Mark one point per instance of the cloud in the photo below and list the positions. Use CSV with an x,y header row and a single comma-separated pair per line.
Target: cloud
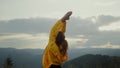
x,y
78,41
115,26
21,40
15,36
107,45
28,25
106,19
80,32
23,36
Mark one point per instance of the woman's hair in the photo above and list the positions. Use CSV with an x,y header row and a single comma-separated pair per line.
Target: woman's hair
x,y
64,47
60,38
61,43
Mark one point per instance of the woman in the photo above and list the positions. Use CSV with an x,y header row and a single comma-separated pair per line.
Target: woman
x,y
55,54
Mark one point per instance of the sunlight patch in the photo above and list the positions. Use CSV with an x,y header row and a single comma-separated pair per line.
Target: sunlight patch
x,y
111,27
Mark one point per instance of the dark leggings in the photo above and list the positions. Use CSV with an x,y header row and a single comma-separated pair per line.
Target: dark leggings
x,y
55,66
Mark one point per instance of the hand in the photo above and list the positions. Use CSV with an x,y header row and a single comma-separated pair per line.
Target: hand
x,y
66,16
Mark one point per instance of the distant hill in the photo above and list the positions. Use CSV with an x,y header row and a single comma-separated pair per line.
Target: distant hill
x,y
32,58
22,58
93,61
74,53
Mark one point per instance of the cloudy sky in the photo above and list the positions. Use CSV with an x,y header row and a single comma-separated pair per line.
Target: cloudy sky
x,y
27,23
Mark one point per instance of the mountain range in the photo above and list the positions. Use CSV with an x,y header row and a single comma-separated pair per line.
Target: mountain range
x,y
93,61
32,58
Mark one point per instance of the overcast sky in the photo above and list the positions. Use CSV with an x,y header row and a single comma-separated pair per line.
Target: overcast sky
x,y
26,23
10,9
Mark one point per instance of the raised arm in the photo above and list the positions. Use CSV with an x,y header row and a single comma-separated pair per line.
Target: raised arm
x,y
60,26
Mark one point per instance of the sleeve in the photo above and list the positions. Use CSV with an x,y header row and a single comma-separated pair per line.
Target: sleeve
x,y
59,26
56,52
61,57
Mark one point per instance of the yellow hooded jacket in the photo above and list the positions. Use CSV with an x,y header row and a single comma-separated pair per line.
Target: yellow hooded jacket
x,y
52,53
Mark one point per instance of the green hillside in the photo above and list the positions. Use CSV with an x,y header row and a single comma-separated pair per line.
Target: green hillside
x,y
93,61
